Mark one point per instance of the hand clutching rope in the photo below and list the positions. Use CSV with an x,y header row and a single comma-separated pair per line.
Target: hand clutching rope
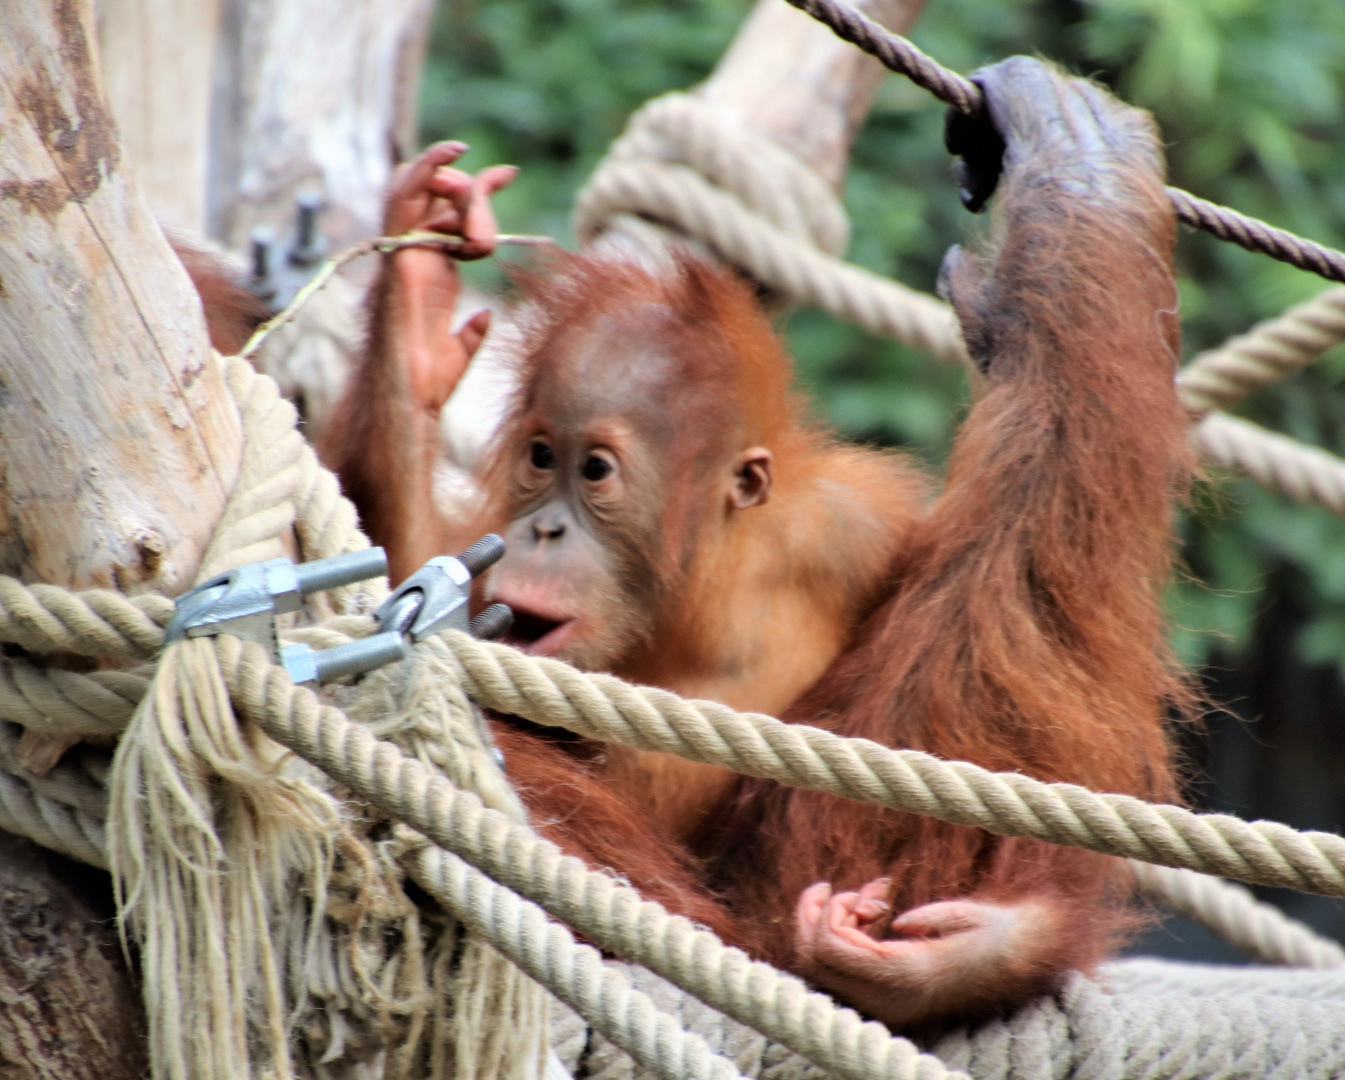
x,y
966,135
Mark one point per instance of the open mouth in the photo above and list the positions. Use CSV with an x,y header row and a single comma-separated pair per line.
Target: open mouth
x,y
537,634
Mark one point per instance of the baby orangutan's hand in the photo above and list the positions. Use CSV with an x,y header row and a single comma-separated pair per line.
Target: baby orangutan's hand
x,y
421,285
953,956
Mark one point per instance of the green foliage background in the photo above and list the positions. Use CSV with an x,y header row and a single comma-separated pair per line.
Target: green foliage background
x,y
1248,94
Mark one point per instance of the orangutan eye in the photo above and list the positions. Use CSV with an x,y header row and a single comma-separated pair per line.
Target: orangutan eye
x,y
595,469
542,456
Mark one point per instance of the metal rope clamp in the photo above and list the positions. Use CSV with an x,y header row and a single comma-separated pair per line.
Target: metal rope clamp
x,y
436,597
245,602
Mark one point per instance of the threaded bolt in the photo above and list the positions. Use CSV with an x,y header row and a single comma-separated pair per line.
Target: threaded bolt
x,y
345,569
358,656
482,555
492,623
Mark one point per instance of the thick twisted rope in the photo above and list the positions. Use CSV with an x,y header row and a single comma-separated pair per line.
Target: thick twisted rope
x,y
1134,1019
1270,351
95,622
688,137
53,701
1265,354
1234,914
1303,473
609,913
524,933
900,55
605,708
683,165
52,821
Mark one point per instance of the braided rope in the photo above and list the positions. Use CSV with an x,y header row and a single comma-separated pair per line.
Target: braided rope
x,y
1268,352
53,701
609,913
680,129
605,708
53,823
900,55
1234,914
68,783
675,151
1284,465
95,622
575,973
1255,235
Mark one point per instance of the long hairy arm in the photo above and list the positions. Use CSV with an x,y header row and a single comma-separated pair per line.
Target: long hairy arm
x,y
383,441
1023,631
1036,585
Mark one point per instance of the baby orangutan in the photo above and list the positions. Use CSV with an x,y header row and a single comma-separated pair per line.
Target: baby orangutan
x,y
674,517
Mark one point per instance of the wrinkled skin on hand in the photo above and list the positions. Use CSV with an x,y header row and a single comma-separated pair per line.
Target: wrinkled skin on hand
x,y
1070,151
423,285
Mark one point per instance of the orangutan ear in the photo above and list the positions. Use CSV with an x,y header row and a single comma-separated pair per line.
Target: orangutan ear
x,y
751,485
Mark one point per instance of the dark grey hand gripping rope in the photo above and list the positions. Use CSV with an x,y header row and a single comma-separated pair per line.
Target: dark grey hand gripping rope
x,y
961,93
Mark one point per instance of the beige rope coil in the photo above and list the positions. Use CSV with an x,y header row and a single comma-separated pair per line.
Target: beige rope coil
x,y
1281,464
1134,1020
53,701
605,708
575,973
1145,1037
609,913
681,164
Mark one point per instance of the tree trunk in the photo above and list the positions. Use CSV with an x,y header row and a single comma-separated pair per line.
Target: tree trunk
x,y
118,441
789,78
118,447
313,95
157,59
69,1009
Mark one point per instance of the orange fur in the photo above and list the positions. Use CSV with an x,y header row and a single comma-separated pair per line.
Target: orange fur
x,y
1024,632
232,313
776,591
1012,622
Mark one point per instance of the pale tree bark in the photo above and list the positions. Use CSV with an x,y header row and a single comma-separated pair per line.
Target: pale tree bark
x,y
157,60
789,78
118,440
118,447
312,95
